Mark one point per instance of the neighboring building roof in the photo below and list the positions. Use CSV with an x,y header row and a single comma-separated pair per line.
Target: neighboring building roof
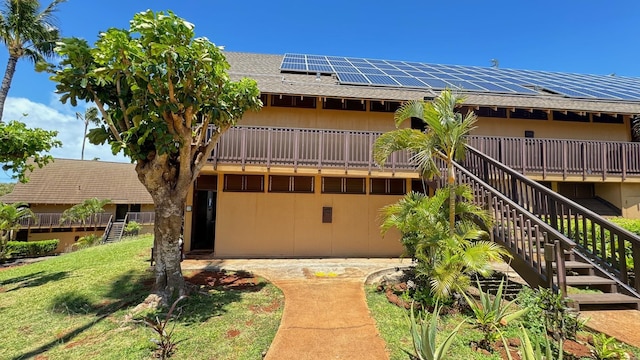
x,y
67,181
265,69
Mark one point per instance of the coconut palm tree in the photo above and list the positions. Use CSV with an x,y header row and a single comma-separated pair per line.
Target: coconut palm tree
x,y
444,261
90,117
26,32
443,139
10,216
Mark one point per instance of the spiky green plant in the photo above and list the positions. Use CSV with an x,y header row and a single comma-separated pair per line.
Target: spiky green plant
x,y
423,334
606,347
529,352
492,313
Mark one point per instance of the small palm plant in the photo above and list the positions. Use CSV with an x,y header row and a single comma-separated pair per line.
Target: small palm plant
x,y
491,314
423,334
443,260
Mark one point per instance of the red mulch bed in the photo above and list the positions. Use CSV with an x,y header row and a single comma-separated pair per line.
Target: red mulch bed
x,y
224,280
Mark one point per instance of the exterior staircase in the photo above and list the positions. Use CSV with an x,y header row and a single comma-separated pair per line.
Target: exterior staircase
x,y
555,242
114,231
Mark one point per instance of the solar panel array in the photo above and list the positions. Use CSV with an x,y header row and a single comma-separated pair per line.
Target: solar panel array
x,y
407,74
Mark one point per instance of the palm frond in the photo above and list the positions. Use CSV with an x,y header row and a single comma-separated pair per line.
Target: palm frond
x,y
396,140
409,109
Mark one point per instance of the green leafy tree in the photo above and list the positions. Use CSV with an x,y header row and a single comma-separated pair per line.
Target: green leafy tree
x,y
27,32
87,211
6,188
22,148
443,139
165,99
444,261
90,117
10,216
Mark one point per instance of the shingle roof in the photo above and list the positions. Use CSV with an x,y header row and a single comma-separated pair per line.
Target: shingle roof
x,y
66,181
265,69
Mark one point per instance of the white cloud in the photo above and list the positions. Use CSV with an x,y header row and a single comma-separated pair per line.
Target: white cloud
x,y
60,117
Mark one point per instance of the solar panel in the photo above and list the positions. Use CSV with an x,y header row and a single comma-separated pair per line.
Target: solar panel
x,y
352,78
399,74
381,80
409,81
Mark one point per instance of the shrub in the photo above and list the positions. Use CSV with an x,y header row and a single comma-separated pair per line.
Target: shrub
x,y
132,228
87,241
19,249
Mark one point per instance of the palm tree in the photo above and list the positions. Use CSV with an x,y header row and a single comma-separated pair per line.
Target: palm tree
x,y
10,216
443,139
88,210
90,117
444,260
26,32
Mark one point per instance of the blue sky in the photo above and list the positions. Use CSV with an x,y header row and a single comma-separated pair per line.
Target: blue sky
x,y
588,36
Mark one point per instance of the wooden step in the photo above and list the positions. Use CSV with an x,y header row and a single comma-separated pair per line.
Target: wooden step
x,y
579,267
580,301
595,282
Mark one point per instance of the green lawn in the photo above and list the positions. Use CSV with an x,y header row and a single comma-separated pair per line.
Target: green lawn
x,y
75,306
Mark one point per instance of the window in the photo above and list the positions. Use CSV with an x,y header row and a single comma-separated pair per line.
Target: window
x,y
608,119
529,114
297,184
308,102
244,183
344,104
342,185
383,106
388,186
570,116
490,112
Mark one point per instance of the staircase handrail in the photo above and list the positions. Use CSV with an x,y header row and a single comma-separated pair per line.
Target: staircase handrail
x,y
528,250
107,229
575,212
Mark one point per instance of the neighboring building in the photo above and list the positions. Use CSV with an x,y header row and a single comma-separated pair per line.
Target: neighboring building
x,y
64,183
296,179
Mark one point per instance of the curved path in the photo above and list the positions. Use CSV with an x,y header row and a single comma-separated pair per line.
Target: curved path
x,y
325,313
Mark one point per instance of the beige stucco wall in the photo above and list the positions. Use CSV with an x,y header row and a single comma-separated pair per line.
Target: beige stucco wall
x,y
67,239
290,225
552,129
610,192
320,119
630,194
56,208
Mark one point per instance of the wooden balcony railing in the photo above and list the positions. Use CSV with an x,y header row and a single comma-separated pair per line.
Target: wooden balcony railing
x,y
52,220
563,157
142,218
270,146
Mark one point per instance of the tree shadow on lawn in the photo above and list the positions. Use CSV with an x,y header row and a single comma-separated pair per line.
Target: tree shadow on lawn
x,y
128,289
33,280
216,290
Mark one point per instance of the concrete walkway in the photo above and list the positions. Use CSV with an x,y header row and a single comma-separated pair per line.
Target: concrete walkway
x,y
325,313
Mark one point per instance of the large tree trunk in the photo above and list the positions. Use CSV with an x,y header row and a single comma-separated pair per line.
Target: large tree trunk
x,y
167,230
6,81
160,178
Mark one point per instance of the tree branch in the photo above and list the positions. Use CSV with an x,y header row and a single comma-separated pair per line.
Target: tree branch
x,y
105,114
123,108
